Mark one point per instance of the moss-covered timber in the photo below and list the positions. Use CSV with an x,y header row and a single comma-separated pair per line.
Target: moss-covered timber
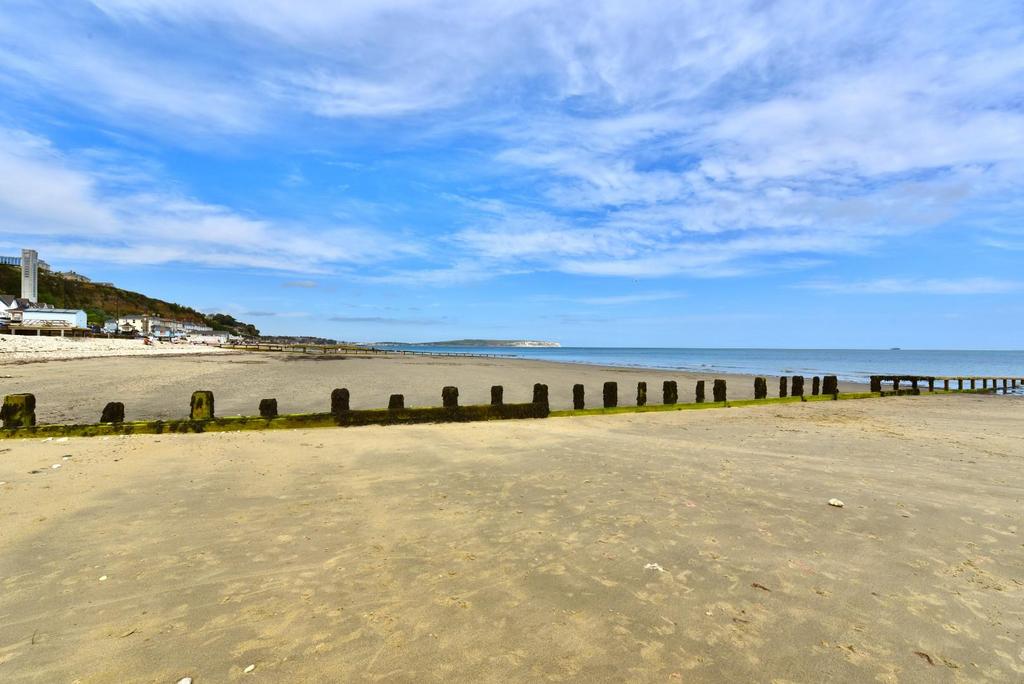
x,y
339,401
718,391
113,412
782,387
396,402
669,392
497,395
641,394
400,417
268,408
201,406
760,388
450,397
610,394
579,401
436,414
19,410
698,392
797,389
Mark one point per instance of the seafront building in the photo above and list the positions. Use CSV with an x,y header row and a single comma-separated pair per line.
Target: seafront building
x,y
27,313
167,328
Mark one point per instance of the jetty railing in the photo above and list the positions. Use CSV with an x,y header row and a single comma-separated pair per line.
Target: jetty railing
x,y
18,413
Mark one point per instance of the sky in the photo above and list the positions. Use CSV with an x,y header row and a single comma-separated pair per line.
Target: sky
x,y
609,173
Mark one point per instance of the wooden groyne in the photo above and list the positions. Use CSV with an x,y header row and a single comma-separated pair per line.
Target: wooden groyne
x,y
346,350
18,413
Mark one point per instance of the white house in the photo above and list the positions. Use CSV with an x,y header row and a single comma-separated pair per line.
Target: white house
x,y
50,318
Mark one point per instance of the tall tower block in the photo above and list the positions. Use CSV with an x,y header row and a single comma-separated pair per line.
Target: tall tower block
x,y
30,275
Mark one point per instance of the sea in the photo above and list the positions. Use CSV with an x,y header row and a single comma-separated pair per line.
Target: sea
x,y
853,365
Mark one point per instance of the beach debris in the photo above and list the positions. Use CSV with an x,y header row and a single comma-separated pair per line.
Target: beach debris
x,y
924,656
103,578
48,439
185,680
131,631
758,585
61,439
66,456
55,466
836,502
654,566
2,483
249,669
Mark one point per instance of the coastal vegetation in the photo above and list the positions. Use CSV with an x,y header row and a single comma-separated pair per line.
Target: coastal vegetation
x,y
102,301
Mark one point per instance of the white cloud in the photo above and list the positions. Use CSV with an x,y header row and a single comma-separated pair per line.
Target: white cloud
x,y
928,286
640,139
65,210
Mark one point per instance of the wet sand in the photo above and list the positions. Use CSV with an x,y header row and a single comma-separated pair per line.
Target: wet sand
x,y
689,547
159,388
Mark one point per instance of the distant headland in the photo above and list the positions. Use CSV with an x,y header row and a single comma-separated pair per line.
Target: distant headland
x,y
472,343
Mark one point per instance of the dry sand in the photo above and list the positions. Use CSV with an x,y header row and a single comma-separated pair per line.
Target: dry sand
x,y
669,547
29,348
76,391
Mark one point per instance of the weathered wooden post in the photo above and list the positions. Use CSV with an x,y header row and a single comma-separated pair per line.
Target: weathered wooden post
x,y
396,402
540,394
760,388
984,383
641,394
268,408
974,383
113,412
913,385
339,401
201,406
782,387
876,384
19,410
450,397
830,385
669,392
960,384
578,400
718,391
931,384
611,395
497,395
798,386
815,386
945,384
699,392
896,384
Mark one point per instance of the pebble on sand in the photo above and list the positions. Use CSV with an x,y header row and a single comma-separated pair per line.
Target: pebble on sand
x,y
836,502
249,669
185,680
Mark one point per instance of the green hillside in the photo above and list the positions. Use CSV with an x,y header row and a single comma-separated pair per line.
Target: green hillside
x,y
101,302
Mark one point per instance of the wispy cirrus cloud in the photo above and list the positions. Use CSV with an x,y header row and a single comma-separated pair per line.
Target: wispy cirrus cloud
x,y
926,286
67,209
608,139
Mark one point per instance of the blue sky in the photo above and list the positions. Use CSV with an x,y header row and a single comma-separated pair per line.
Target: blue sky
x,y
607,173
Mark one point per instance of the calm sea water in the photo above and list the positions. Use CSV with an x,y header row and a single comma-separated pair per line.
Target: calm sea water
x,y
848,364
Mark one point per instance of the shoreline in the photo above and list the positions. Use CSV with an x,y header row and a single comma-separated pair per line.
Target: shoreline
x,y
159,387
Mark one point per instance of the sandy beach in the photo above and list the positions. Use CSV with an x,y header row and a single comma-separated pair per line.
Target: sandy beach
x,y
691,547
29,348
160,387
